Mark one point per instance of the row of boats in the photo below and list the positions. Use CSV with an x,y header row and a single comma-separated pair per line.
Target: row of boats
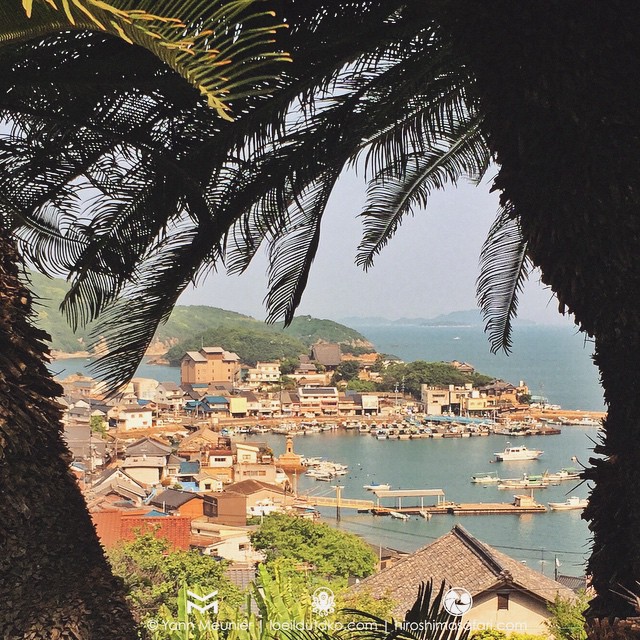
x,y
526,481
540,481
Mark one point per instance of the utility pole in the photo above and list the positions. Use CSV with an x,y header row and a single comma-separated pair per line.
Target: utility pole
x,y
338,489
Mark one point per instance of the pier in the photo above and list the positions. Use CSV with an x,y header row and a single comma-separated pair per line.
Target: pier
x,y
439,507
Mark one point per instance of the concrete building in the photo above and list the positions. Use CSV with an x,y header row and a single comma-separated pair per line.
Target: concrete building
x,y
264,373
208,365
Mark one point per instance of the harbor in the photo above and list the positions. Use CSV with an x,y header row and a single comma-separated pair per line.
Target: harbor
x,y
448,464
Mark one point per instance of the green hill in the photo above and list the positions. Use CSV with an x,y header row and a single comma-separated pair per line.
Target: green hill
x,y
191,326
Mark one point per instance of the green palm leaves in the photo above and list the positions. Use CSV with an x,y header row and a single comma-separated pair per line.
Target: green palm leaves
x,y
504,268
224,49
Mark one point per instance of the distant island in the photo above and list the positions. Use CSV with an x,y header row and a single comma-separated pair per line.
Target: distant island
x,y
465,318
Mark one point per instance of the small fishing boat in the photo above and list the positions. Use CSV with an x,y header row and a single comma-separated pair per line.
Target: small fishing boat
x,y
398,515
526,482
568,473
485,477
570,503
375,486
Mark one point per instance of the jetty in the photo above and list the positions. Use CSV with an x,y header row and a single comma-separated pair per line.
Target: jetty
x,y
521,504
440,505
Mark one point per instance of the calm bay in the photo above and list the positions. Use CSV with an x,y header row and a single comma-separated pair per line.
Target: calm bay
x,y
554,361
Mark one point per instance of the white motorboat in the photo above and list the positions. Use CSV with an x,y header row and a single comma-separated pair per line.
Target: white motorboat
x,y
398,515
485,477
518,453
570,503
568,473
374,486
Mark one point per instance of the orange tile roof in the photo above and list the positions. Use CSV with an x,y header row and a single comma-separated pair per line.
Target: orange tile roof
x,y
114,527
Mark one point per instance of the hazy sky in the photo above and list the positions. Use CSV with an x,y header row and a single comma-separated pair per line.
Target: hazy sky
x,y
428,268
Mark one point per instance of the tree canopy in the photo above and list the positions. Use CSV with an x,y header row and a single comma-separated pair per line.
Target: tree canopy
x,y
331,552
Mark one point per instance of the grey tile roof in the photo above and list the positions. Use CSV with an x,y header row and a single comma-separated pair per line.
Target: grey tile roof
x,y
149,447
327,353
172,498
461,561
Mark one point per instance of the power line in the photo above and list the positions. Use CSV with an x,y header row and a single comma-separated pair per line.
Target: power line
x,y
399,534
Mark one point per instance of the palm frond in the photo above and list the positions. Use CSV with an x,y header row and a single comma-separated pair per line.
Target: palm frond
x,y
504,268
426,620
293,250
223,48
397,191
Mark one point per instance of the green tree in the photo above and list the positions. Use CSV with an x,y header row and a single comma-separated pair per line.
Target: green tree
x,y
153,572
288,365
567,618
347,370
362,600
362,385
97,425
331,552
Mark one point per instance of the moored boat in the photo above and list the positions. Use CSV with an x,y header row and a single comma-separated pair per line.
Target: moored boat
x,y
568,473
518,453
570,503
485,477
375,486
398,515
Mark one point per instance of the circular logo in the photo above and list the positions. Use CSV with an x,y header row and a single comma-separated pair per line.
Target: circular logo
x,y
457,601
323,601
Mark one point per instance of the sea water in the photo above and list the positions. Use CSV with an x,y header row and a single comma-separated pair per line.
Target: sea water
x,y
447,464
555,361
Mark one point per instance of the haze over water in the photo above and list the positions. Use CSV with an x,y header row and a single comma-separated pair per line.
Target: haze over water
x,y
554,361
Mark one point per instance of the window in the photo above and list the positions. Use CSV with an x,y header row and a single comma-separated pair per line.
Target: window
x,y
210,507
207,486
503,601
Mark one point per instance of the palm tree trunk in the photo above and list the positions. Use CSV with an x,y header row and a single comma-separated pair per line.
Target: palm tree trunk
x,y
54,579
561,116
614,504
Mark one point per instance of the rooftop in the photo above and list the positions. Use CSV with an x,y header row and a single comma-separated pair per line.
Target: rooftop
x,y
460,560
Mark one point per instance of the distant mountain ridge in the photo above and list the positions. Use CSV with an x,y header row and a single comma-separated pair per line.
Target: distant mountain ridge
x,y
190,326
465,318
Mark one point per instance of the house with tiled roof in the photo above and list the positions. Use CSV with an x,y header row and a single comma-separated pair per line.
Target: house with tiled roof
x,y
507,594
328,354
117,482
208,365
148,447
114,527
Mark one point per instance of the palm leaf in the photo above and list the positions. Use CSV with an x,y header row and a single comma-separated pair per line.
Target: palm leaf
x,y
223,48
426,620
397,191
504,268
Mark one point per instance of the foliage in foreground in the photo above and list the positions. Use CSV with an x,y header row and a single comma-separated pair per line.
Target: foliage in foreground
x,y
331,553
153,573
567,618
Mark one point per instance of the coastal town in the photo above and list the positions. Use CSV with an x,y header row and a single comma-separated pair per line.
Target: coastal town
x,y
186,461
